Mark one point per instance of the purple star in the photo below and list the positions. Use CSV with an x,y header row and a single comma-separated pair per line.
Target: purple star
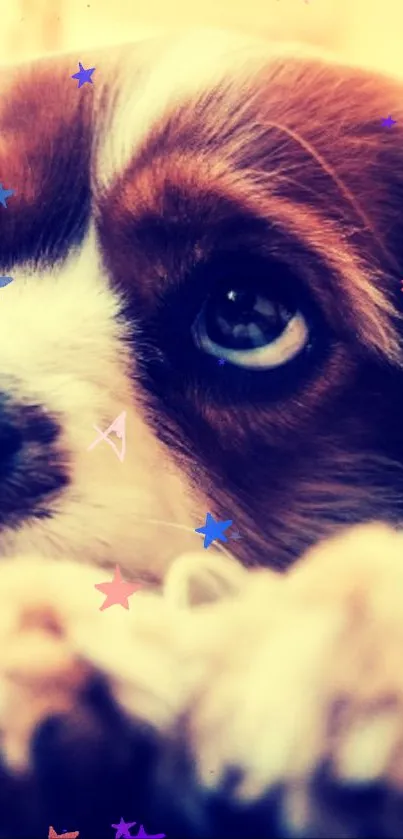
x,y
84,75
143,835
221,361
389,122
122,829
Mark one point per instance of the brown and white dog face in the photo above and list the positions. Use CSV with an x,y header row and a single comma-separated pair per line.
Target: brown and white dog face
x,y
205,198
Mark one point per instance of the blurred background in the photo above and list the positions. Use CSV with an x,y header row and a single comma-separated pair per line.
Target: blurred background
x,y
368,32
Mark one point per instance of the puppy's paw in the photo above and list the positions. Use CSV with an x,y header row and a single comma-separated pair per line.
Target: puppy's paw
x,y
303,692
78,690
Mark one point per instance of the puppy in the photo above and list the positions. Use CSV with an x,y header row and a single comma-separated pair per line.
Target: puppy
x,y
207,199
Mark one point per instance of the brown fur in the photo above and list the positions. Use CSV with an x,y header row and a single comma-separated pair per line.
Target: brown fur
x,y
287,166
282,176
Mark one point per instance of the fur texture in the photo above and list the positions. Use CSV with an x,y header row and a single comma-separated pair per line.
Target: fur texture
x,y
137,201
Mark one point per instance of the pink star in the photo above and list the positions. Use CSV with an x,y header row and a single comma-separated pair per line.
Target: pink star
x,y
117,591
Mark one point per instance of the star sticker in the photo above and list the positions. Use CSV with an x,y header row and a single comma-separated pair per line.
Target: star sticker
x,y
213,530
117,592
83,76
5,193
221,361
122,829
143,835
53,835
119,427
389,122
5,281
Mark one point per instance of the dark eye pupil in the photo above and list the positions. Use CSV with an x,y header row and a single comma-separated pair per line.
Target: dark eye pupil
x,y
240,318
238,302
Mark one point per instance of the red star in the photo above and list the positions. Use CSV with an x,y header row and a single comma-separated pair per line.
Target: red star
x,y
53,835
117,591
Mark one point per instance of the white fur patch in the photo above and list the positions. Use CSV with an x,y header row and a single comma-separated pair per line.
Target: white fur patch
x,y
62,347
186,67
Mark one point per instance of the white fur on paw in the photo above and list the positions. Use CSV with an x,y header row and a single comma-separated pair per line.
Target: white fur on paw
x,y
53,638
308,669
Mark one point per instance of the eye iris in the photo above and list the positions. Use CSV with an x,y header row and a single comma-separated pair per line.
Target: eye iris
x,y
243,319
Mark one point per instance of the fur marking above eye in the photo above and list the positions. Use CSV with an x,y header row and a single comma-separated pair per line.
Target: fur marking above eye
x,y
117,592
213,530
5,193
83,75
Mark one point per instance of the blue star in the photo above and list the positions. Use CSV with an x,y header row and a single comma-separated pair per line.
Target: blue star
x,y
143,835
5,193
122,829
83,76
5,281
213,530
221,361
389,122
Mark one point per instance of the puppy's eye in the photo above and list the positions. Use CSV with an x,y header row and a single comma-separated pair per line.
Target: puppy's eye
x,y
246,327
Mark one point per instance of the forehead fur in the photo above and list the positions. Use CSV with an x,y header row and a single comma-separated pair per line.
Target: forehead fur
x,y
261,135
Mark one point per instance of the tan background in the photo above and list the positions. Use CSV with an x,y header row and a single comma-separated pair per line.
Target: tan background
x,y
368,31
